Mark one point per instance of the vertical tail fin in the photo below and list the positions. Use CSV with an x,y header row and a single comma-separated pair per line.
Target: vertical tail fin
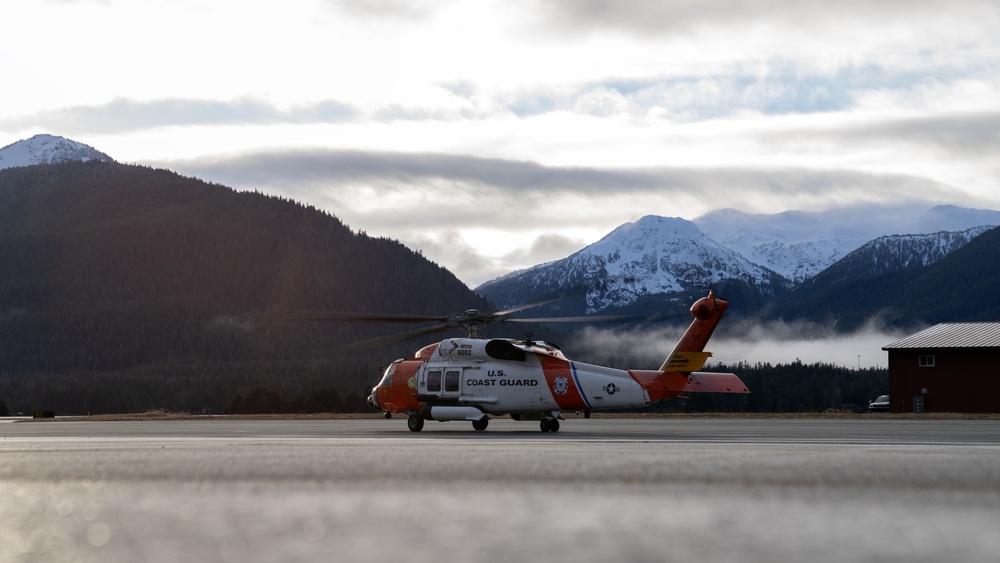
x,y
689,355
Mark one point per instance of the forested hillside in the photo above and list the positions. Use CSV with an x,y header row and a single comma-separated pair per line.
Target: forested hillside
x,y
116,282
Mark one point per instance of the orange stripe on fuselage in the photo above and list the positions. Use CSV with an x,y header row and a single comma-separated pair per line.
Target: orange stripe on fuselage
x,y
562,385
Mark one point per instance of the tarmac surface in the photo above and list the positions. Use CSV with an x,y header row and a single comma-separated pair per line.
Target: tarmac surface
x,y
757,490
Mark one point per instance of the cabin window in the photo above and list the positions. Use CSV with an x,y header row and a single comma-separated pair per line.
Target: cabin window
x,y
451,381
926,361
434,381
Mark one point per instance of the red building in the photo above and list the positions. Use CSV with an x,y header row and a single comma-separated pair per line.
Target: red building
x,y
949,367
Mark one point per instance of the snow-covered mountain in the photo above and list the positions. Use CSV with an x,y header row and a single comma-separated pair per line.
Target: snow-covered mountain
x,y
904,282
47,149
653,256
799,244
758,256
894,253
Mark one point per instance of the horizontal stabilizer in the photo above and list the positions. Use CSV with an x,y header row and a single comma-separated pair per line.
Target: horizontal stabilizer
x,y
711,382
664,385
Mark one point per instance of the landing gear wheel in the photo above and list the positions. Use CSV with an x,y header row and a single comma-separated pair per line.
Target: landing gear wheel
x,y
549,424
481,424
387,414
415,423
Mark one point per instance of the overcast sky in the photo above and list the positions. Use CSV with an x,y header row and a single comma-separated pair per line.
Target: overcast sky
x,y
497,135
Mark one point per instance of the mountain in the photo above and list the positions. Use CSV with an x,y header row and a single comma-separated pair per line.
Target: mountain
x,y
637,268
960,286
48,149
642,266
799,244
116,282
895,253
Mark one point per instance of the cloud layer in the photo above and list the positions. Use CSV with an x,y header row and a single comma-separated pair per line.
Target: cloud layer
x,y
497,135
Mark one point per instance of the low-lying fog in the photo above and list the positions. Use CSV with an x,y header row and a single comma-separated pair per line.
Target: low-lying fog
x,y
772,342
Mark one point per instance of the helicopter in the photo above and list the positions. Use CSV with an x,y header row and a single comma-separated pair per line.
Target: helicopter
x,y
474,379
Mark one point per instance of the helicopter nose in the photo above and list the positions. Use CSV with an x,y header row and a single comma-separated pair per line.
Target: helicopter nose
x,y
373,399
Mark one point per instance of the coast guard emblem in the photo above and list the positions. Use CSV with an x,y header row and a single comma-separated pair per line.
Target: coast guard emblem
x,y
561,386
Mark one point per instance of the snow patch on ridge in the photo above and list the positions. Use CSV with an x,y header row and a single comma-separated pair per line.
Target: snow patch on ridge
x,y
48,149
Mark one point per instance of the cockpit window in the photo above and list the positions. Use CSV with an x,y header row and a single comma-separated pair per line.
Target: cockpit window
x,y
387,378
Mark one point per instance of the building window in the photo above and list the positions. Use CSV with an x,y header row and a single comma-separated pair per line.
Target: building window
x,y
926,361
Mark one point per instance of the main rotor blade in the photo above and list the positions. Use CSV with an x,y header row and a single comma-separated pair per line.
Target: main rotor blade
x,y
581,319
393,338
331,316
506,312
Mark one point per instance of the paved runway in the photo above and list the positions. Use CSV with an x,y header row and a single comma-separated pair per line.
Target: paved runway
x,y
599,490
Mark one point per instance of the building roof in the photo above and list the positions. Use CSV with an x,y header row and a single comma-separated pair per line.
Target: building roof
x,y
952,335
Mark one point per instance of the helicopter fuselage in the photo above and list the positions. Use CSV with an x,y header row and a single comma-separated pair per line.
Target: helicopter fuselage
x,y
502,376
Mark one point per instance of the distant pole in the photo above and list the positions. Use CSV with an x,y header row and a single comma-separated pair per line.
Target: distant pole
x,y
859,362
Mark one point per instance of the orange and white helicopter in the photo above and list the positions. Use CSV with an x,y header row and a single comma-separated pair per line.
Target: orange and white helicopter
x,y
473,379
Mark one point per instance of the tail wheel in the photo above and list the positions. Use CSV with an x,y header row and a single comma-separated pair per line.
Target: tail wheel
x,y
415,423
481,424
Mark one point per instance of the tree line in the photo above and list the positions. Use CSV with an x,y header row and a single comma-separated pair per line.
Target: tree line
x,y
791,388
315,386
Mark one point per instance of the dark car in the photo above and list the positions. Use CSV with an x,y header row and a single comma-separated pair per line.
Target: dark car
x,y
880,404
